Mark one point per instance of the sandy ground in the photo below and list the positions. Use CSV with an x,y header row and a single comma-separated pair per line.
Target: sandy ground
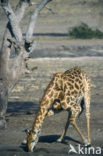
x,y
24,100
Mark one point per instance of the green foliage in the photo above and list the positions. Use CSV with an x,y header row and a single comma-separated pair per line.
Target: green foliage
x,y
83,31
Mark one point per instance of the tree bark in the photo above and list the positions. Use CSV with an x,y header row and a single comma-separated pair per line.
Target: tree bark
x,y
14,49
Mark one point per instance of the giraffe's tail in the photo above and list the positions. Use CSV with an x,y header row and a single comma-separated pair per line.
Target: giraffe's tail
x,y
82,107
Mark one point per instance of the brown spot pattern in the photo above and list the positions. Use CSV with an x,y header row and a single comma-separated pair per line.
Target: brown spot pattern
x,y
67,87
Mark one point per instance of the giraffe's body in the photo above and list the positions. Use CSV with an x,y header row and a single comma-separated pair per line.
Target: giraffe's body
x,y
64,92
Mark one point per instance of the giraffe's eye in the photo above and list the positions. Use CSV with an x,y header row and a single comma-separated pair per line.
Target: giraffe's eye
x,y
33,141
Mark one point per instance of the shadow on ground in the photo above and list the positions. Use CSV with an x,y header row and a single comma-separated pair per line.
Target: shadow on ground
x,y
53,138
22,107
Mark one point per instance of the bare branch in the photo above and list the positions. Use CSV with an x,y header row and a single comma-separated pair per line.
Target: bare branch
x,y
21,8
32,22
16,31
32,3
50,10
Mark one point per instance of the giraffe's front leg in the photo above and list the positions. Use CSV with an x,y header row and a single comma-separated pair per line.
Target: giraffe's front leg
x,y
55,107
65,106
50,113
65,129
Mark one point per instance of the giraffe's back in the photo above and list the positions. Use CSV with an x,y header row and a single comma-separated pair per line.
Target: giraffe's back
x,y
74,81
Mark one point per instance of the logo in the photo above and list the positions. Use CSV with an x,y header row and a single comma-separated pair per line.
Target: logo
x,y
72,149
84,150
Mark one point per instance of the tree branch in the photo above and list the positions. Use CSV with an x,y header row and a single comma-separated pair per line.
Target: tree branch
x,y
33,18
13,23
20,9
50,10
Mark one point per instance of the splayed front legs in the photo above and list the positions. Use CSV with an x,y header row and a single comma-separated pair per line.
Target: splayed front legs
x,y
65,129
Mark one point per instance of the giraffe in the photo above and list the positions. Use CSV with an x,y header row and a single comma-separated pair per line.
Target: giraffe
x,y
64,92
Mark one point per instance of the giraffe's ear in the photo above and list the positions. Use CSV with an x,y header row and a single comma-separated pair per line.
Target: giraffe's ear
x,y
26,131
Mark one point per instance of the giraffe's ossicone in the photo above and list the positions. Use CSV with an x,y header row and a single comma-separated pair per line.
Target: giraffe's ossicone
x,y
66,91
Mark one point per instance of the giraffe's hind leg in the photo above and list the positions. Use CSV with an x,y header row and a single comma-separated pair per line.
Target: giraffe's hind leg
x,y
87,105
72,119
75,112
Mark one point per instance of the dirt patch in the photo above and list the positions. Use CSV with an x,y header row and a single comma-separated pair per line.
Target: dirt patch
x,y
21,110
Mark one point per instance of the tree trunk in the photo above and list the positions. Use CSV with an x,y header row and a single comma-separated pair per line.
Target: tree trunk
x,y
3,103
15,48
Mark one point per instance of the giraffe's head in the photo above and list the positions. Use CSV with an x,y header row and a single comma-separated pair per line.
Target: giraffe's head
x,y
32,139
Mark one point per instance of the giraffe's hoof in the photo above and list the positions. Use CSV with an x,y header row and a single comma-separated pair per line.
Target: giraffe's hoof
x,y
59,140
24,142
50,113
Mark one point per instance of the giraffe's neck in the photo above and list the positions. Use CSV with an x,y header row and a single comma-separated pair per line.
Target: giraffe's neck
x,y
40,116
42,112
49,96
